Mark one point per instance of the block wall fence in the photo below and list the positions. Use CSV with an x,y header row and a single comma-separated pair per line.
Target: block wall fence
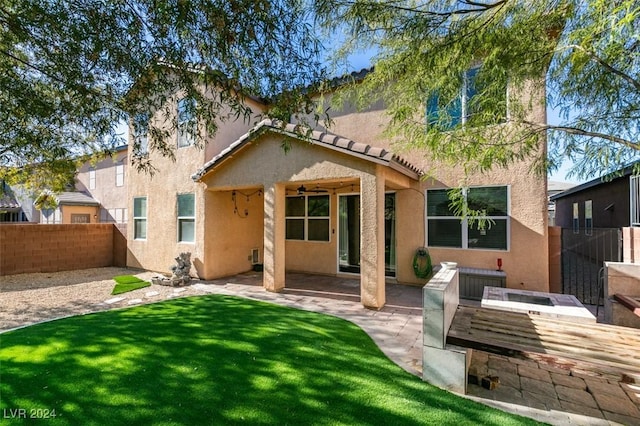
x,y
555,259
631,245
27,248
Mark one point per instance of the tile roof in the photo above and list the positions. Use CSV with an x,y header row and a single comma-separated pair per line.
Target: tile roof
x,y
76,199
324,139
8,201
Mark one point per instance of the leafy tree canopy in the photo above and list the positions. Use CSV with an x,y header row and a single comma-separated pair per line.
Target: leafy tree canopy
x,y
67,69
589,51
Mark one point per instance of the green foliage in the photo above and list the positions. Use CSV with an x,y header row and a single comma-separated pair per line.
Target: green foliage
x,y
460,207
219,360
588,50
67,73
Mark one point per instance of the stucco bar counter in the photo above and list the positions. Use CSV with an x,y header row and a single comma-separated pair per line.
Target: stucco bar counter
x,y
550,305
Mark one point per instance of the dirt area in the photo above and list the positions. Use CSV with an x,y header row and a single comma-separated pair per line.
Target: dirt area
x,y
30,298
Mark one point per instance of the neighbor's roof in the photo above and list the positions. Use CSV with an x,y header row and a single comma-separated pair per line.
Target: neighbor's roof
x,y
76,199
324,139
557,186
627,171
8,201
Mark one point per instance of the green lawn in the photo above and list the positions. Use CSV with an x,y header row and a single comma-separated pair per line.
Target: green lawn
x,y
217,360
125,283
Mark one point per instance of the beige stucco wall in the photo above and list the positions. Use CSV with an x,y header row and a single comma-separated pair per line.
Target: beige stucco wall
x,y
158,251
527,260
67,211
631,244
231,236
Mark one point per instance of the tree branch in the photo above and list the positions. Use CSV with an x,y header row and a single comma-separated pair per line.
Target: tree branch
x,y
480,7
635,83
582,132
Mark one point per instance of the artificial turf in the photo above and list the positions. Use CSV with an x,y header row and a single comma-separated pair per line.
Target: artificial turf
x,y
217,360
125,283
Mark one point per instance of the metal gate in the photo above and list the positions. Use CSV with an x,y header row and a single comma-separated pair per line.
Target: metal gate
x,y
583,256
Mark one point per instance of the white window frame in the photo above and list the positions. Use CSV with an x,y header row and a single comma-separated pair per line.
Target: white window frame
x,y
137,219
464,223
464,99
184,139
180,219
141,135
120,173
634,200
92,178
306,218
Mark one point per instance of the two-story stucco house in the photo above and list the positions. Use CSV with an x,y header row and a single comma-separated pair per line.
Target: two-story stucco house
x,y
340,202
99,196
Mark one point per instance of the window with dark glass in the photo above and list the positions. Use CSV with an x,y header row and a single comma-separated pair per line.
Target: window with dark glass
x,y
140,134
466,108
445,229
307,217
186,122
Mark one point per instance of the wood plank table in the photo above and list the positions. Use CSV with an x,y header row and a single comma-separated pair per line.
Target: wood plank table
x,y
606,350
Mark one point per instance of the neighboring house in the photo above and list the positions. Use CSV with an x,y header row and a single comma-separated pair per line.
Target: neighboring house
x,y
72,207
16,205
600,203
554,188
106,183
11,207
338,203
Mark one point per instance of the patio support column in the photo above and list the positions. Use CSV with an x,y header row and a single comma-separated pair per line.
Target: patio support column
x,y
274,237
372,284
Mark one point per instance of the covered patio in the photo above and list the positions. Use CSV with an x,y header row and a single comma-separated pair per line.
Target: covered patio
x,y
295,219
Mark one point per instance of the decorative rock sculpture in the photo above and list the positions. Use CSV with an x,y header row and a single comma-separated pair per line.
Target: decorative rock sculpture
x,y
180,272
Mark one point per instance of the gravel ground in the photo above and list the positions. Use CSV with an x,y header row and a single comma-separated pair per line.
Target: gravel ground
x,y
31,298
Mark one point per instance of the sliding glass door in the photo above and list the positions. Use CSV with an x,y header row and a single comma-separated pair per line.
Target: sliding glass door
x,y
349,234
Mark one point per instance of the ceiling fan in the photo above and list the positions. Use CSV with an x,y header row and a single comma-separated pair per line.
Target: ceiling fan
x,y
301,190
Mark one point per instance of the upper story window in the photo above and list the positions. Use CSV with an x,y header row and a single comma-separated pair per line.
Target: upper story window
x,y
119,173
140,218
92,178
307,218
141,134
186,218
186,122
576,218
445,229
465,109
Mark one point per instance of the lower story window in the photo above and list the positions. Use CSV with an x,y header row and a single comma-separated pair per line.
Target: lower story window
x,y
445,229
307,218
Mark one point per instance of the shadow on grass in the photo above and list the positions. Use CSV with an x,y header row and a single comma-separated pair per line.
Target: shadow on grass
x,y
218,360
